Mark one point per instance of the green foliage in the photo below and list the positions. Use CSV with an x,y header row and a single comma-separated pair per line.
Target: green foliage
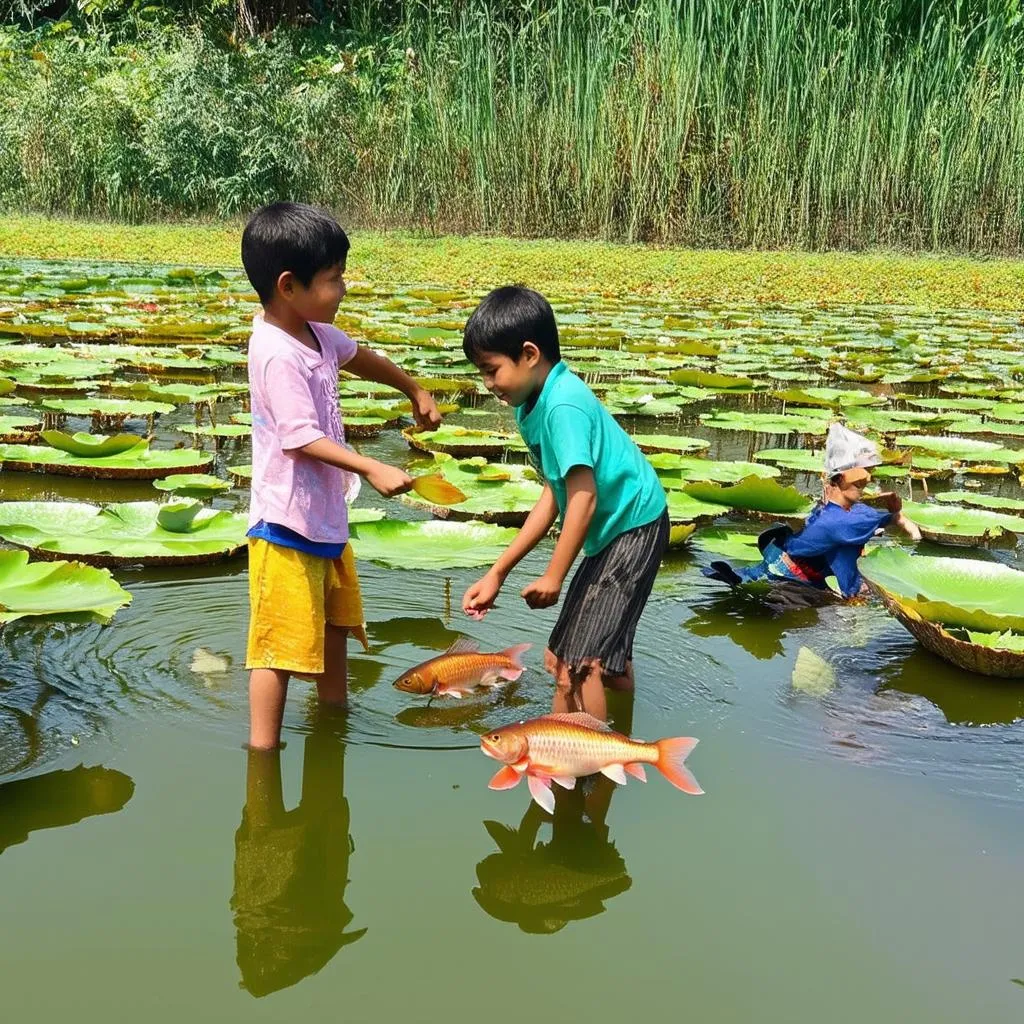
x,y
812,123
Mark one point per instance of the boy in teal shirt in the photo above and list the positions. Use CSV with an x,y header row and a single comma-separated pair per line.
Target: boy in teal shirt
x,y
607,495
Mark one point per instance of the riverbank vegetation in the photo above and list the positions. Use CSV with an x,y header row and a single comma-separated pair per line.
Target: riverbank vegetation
x,y
569,268
726,123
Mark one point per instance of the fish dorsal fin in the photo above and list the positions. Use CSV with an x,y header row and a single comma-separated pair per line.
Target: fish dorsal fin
x,y
578,718
463,645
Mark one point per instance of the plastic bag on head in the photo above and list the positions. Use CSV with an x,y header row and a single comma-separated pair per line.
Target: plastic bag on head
x,y
845,450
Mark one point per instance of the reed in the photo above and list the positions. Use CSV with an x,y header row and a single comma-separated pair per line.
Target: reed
x,y
767,123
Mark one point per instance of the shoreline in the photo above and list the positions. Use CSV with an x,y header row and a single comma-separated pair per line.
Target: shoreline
x,y
566,268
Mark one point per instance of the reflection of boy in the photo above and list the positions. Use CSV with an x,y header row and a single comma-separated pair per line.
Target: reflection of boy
x,y
303,589
607,494
291,869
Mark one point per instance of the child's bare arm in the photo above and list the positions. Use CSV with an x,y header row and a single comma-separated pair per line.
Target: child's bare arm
x,y
479,597
387,480
370,366
581,501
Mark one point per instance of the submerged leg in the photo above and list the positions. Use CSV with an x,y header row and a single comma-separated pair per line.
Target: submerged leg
x,y
268,688
332,685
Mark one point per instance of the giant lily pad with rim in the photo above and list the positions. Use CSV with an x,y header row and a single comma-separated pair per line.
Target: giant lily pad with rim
x,y
138,463
430,544
122,534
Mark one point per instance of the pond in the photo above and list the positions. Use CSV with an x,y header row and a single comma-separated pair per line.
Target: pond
x,y
858,850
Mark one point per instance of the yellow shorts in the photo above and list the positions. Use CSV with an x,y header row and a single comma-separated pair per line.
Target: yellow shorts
x,y
292,598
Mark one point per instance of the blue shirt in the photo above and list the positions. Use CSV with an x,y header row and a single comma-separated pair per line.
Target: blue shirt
x,y
832,539
568,427
286,538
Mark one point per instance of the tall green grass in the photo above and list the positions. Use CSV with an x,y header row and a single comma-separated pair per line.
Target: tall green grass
x,y
805,123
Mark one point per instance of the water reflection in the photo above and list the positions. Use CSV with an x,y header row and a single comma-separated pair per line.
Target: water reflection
x,y
543,886
963,697
59,798
291,867
750,621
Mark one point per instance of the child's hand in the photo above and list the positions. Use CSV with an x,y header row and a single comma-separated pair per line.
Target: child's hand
x,y
424,411
479,599
387,480
542,593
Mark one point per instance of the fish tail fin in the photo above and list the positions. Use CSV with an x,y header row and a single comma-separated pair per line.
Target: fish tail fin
x,y
672,754
515,654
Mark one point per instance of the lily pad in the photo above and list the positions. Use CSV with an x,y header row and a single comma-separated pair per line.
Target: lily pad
x,y
765,423
120,534
683,508
753,493
728,544
433,544
649,443
831,397
138,463
56,588
990,501
129,408
963,449
713,381
675,470
221,430
462,441
93,446
951,524
14,428
802,460
966,592
195,485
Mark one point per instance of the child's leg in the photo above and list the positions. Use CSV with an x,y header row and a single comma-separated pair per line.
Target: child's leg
x,y
623,682
580,690
332,686
268,688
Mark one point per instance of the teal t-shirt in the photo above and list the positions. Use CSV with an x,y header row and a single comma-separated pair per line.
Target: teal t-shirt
x,y
569,427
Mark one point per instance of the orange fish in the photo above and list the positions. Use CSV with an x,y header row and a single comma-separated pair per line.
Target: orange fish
x,y
462,668
563,748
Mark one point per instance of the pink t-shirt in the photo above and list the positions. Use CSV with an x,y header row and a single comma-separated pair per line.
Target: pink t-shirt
x,y
294,397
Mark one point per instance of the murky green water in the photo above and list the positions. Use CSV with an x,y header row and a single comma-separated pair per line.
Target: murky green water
x,y
857,856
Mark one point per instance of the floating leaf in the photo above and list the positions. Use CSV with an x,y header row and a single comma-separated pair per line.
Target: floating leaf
x,y
675,470
985,596
963,449
765,423
127,407
683,508
120,533
733,546
461,441
715,381
195,485
753,493
56,588
649,443
943,520
433,544
438,491
93,446
138,463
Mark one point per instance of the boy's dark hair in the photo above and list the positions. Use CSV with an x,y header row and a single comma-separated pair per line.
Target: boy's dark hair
x,y
290,236
506,319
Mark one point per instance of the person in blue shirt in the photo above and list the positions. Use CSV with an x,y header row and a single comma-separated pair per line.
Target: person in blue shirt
x,y
596,481
835,532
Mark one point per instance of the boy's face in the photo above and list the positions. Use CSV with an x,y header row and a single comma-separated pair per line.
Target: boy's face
x,y
512,381
317,303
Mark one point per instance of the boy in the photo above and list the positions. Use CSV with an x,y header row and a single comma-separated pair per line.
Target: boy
x,y
303,590
607,494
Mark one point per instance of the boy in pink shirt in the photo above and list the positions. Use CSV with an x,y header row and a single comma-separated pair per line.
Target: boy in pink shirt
x,y
303,590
